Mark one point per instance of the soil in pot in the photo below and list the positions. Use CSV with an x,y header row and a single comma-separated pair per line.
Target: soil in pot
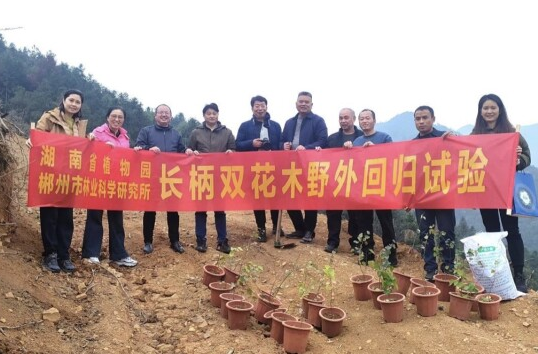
x,y
238,314
224,298
310,297
392,306
230,275
212,273
426,298
375,290
360,286
460,306
313,314
442,281
332,321
404,282
217,288
296,336
269,318
416,282
277,328
489,306
266,302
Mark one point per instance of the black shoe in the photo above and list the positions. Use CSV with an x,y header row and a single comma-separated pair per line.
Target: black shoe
x,y
330,248
521,285
67,266
429,275
366,257
50,263
308,237
296,234
282,233
262,235
148,247
356,251
393,260
201,245
176,246
223,247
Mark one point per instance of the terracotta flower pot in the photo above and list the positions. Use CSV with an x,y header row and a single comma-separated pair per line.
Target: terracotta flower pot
x,y
310,297
269,318
313,314
426,300
460,306
473,294
392,306
375,290
360,286
238,314
442,281
277,329
224,298
230,276
266,302
212,273
332,321
416,282
489,310
217,288
296,336
404,281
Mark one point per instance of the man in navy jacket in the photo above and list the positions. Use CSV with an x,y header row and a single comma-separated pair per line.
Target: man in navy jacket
x,y
304,131
260,133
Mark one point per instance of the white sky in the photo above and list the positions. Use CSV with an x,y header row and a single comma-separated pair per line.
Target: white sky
x,y
390,56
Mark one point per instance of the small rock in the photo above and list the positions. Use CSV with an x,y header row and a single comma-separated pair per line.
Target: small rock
x,y
3,320
9,295
526,324
52,315
526,312
81,296
369,341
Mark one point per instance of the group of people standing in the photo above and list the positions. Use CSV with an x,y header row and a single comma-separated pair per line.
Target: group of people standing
x,y
305,130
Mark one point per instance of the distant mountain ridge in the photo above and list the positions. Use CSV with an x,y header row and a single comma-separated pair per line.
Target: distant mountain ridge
x,y
401,127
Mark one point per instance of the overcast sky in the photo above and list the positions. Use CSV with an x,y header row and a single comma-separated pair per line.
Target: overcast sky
x,y
390,56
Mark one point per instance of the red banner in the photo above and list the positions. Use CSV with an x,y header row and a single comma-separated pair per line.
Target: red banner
x,y
457,172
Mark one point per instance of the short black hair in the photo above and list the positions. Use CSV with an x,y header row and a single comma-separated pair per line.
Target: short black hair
x,y
212,106
423,108
305,93
257,99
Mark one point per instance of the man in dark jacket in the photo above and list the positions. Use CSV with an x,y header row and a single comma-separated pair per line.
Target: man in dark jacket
x,y
160,137
304,131
260,133
345,136
428,218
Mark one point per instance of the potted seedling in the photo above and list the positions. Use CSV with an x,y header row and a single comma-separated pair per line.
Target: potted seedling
x,y
332,318
232,265
391,303
361,281
461,300
310,286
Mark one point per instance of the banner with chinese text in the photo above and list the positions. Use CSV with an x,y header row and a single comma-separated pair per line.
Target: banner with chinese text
x,y
457,172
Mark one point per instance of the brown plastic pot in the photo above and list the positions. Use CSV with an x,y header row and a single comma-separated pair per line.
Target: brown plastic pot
x,y
238,314
313,314
360,286
217,288
224,298
404,282
310,297
266,302
426,300
332,321
489,310
212,273
460,306
416,282
277,329
296,336
442,281
392,306
375,290
230,276
269,318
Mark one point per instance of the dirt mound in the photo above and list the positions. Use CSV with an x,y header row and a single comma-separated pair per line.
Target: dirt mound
x,y
161,306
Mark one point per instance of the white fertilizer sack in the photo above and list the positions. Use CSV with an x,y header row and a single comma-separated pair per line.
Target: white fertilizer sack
x,y
486,255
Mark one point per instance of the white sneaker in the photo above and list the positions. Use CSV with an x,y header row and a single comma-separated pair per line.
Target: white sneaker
x,y
126,262
92,260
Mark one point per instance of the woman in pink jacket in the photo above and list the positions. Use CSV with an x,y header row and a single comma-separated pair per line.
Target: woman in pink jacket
x,y
113,134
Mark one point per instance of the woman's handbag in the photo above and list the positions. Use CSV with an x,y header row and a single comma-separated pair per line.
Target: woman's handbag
x,y
525,201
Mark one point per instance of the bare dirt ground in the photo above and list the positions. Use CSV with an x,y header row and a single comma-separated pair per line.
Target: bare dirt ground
x,y
161,306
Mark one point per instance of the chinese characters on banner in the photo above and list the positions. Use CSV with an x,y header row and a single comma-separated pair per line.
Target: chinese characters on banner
x,y
456,172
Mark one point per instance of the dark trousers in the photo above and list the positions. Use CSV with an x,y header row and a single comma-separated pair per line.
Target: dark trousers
x,y
306,223
445,219
56,230
259,215
148,225
510,224
334,225
365,222
200,222
93,234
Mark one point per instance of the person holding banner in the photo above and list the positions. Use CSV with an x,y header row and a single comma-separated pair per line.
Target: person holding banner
x,y
161,137
344,137
260,133
445,219
305,130
113,134
57,223
365,218
212,136
493,119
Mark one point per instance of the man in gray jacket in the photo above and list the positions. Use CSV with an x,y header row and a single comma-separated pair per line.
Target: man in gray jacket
x,y
160,137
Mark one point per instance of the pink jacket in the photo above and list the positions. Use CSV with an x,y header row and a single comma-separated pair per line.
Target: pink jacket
x,y
103,133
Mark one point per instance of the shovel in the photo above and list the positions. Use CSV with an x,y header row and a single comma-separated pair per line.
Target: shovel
x,y
277,236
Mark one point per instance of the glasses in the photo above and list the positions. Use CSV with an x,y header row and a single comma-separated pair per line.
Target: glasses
x,y
116,117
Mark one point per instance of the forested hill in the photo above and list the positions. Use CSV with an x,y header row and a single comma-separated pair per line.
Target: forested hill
x,y
32,82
